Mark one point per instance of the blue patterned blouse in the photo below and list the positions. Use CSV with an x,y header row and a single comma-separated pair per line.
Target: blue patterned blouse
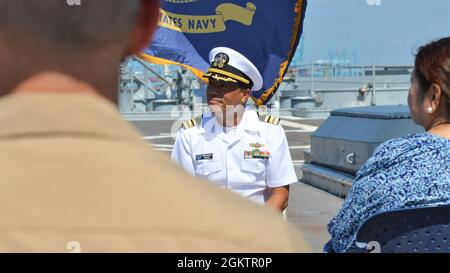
x,y
405,172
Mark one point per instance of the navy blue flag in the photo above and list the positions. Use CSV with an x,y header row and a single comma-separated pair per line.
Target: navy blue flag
x,y
265,31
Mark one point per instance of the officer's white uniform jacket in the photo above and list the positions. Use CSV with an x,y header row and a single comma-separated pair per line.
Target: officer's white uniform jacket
x,y
225,157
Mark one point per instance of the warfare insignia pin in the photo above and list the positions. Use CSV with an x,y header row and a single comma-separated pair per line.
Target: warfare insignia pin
x,y
256,145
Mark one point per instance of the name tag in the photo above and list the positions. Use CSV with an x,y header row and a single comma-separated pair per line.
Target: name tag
x,y
204,157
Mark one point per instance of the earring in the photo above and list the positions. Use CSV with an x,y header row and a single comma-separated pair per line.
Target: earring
x,y
430,110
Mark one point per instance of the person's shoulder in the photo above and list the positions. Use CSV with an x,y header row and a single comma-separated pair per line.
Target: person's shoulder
x,y
270,124
198,122
191,123
396,150
271,127
269,119
190,127
400,145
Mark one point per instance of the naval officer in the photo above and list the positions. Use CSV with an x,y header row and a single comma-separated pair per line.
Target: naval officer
x,y
232,146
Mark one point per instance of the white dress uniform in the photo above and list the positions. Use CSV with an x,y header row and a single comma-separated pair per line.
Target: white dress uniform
x,y
248,159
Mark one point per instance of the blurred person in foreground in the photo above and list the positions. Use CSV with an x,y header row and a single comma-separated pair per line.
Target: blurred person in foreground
x,y
73,170
411,171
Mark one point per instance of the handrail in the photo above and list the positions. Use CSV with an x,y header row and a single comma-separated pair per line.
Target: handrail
x,y
147,66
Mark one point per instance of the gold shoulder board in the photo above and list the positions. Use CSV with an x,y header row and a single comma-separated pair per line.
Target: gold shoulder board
x,y
189,124
270,119
192,122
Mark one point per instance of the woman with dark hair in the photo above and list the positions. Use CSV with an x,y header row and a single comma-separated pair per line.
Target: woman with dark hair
x,y
410,171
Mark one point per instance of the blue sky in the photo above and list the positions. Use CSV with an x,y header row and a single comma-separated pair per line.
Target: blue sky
x,y
388,33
